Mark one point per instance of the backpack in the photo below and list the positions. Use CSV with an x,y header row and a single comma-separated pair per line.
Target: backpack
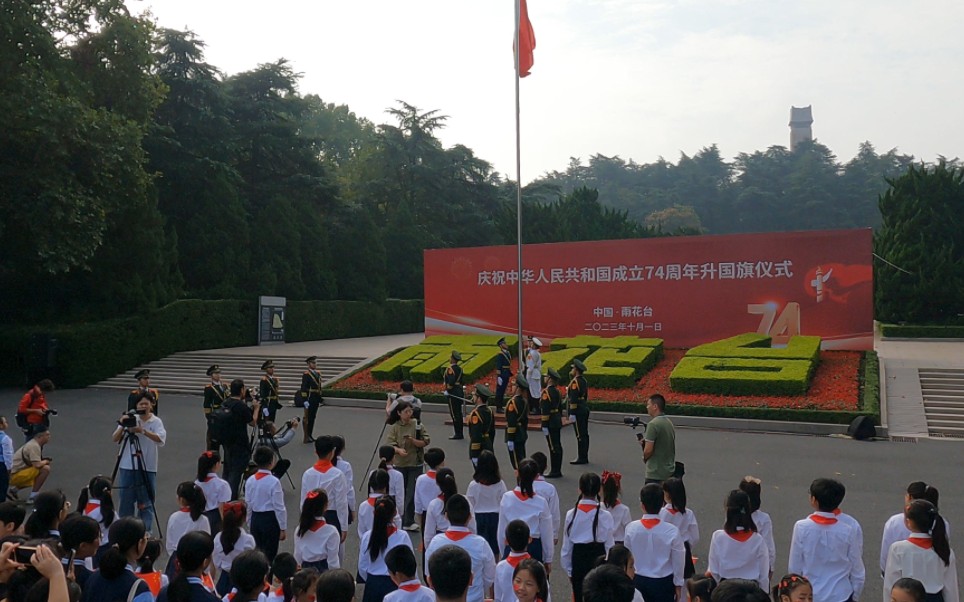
x,y
220,423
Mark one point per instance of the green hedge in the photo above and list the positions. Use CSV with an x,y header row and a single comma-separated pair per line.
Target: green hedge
x,y
561,359
594,342
616,369
870,384
90,352
736,376
911,331
757,346
427,361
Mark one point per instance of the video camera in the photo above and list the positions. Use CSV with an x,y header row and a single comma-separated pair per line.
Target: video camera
x,y
635,422
129,419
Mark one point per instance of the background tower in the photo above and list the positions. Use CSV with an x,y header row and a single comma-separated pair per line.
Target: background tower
x,y
801,118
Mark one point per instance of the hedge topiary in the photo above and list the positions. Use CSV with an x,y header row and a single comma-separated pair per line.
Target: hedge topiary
x,y
753,345
427,361
736,376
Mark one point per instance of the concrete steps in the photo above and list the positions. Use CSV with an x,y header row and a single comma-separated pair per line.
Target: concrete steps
x,y
186,372
942,390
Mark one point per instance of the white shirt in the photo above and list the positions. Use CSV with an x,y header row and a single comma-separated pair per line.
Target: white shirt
x,y
345,467
230,596
320,542
366,515
148,447
415,401
262,492
223,561
6,446
485,498
621,518
483,562
532,511
436,522
689,530
367,566
577,529
895,530
322,475
547,490
396,487
825,553
731,558
534,372
764,526
180,524
658,548
93,510
426,490
908,559
216,491
411,591
504,592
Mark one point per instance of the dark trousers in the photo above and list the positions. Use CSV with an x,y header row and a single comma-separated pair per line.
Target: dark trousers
x,y
266,531
377,587
311,412
214,519
487,525
518,455
409,476
4,480
236,456
555,451
455,410
584,557
656,589
500,392
581,426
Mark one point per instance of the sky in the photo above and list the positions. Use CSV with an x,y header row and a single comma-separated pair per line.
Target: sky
x,y
641,79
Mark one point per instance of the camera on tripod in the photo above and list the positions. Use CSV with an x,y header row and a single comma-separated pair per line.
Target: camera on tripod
x,y
129,419
635,422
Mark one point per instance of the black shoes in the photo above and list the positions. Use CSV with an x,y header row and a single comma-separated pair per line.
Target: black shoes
x,y
578,461
456,438
553,475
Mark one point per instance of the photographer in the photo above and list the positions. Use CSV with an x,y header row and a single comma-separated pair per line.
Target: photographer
x,y
32,413
272,436
407,394
232,432
30,468
137,474
659,442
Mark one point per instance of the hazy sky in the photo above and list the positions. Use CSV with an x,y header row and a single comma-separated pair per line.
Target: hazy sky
x,y
635,78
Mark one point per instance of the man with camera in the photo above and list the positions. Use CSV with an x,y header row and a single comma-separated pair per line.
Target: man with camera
x,y
272,436
30,468
659,442
238,412
141,433
33,413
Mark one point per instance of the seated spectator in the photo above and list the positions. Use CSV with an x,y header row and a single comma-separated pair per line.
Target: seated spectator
x,y
30,468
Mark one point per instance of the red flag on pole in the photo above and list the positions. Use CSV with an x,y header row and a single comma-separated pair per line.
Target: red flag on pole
x,y
527,41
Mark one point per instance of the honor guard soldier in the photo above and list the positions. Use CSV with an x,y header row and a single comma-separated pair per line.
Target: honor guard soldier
x,y
503,364
311,393
143,386
481,424
517,420
268,390
455,392
551,409
214,395
578,398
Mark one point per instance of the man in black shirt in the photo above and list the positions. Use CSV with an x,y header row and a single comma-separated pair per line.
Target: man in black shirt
x,y
233,434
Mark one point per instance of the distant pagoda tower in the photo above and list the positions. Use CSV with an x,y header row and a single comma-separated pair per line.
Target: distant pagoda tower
x,y
801,118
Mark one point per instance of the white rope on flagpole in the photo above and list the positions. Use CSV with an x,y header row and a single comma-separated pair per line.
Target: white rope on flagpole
x,y
518,177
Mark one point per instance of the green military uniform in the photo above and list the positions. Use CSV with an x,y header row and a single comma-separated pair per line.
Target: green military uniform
x,y
311,396
455,392
135,394
215,393
517,422
551,409
268,391
481,425
578,398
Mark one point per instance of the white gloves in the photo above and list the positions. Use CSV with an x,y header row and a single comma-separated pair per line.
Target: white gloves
x,y
511,445
545,431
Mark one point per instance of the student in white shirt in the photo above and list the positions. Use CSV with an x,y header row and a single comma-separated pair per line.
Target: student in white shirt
x,y
926,555
676,513
96,501
824,550
372,549
530,581
611,490
316,542
216,490
587,533
269,516
458,512
230,542
764,526
517,538
323,474
248,573
620,557
189,518
426,489
548,491
896,530
523,503
377,487
657,547
737,551
403,569
396,486
345,466
436,520
485,495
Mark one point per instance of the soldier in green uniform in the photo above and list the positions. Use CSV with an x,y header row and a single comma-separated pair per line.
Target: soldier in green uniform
x,y
551,408
268,390
578,398
517,420
503,364
455,392
481,424
143,386
311,394
214,395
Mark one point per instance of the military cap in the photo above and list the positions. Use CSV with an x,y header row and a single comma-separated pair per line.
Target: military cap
x,y
521,381
142,373
500,342
537,342
554,373
456,356
213,369
267,364
483,391
578,365
310,359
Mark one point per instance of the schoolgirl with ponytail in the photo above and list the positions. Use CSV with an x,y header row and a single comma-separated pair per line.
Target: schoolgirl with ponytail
x,y
49,509
156,580
216,490
115,581
230,542
97,502
588,533
485,494
396,481
926,555
372,549
248,574
193,555
80,538
378,485
316,542
737,551
677,514
895,529
523,504
622,516
189,518
436,521
281,576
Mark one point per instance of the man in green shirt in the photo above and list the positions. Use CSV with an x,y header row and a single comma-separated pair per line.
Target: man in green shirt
x,y
659,443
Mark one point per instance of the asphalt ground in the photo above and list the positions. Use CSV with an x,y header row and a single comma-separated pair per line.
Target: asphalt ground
x,y
875,473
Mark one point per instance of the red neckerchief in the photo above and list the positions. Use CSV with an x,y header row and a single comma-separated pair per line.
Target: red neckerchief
x,y
586,506
522,496
837,511
921,541
319,523
208,582
261,474
323,465
371,500
184,509
649,523
211,476
392,530
431,474
457,534
741,536
822,520
671,510
410,586
514,558
91,506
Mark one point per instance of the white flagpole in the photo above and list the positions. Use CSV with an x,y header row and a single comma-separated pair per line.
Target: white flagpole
x,y
518,178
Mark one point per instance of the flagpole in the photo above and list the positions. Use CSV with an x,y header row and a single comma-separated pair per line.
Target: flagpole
x,y
518,178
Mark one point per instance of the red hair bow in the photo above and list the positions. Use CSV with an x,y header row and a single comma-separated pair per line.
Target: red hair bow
x,y
312,494
235,508
208,454
606,475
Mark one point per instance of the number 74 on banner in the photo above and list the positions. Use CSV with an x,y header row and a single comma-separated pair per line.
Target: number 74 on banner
x,y
781,327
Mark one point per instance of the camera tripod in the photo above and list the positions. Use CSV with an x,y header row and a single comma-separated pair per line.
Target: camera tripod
x,y
259,436
132,444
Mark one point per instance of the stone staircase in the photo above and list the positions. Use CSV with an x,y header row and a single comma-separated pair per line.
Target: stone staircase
x,y
943,394
186,372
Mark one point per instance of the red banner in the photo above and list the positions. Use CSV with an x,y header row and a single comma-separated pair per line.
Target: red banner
x,y
687,290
